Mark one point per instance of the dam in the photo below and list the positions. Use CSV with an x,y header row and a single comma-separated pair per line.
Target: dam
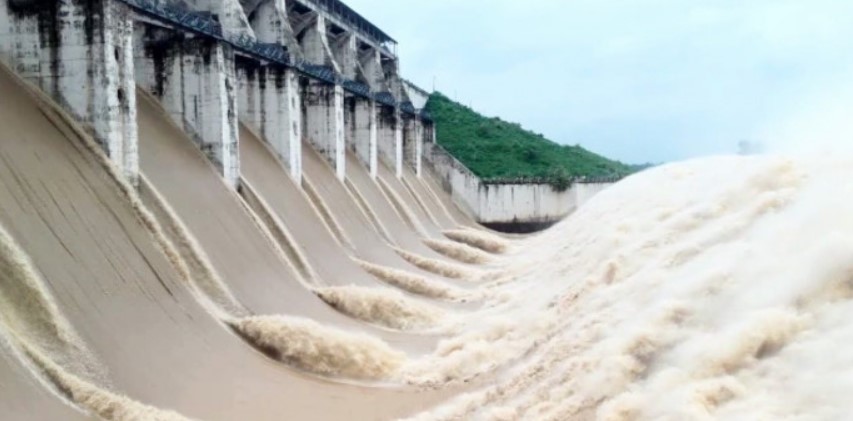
x,y
238,209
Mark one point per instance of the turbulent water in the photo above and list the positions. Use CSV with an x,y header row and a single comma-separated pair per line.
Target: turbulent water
x,y
711,289
717,288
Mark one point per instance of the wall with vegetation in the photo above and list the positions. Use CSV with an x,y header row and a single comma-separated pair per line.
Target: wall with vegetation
x,y
514,207
508,177
496,150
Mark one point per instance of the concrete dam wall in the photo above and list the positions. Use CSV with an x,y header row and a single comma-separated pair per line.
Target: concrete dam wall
x,y
234,210
218,210
291,71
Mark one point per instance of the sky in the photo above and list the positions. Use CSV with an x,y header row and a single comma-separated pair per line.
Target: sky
x,y
637,80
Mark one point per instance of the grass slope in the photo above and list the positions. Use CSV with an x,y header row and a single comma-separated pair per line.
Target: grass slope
x,y
497,150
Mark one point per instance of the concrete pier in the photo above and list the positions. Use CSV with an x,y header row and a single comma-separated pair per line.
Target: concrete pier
x,y
420,130
413,133
324,122
269,20
362,130
80,53
195,80
365,135
270,103
390,138
229,13
323,101
343,45
370,64
270,98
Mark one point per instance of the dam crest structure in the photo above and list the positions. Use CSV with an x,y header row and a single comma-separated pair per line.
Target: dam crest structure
x,y
290,70
296,72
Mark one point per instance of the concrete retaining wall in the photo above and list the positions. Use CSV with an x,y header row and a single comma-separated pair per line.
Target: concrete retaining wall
x,y
508,207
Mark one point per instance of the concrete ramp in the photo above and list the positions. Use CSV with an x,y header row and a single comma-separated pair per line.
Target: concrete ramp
x,y
404,197
402,231
366,241
117,287
223,226
108,277
427,200
311,235
332,264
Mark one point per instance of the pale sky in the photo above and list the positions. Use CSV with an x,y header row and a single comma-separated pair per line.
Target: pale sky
x,y
636,80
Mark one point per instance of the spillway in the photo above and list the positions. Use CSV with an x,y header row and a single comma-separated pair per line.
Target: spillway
x,y
363,238
402,230
726,280
220,211
326,255
329,261
427,201
403,196
459,217
119,288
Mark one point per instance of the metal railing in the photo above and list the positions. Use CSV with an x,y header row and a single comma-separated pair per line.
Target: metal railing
x,y
386,98
324,73
356,23
357,88
408,108
550,180
197,22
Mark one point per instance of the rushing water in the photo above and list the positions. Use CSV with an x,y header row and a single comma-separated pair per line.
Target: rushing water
x,y
712,289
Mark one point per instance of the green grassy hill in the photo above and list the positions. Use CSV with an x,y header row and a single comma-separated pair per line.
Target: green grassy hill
x,y
496,150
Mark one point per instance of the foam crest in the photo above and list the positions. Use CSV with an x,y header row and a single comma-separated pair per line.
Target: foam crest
x,y
415,284
438,267
32,321
312,347
103,403
201,271
471,354
482,240
458,251
381,306
30,315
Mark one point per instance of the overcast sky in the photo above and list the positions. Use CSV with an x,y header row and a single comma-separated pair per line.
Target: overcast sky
x,y
636,80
